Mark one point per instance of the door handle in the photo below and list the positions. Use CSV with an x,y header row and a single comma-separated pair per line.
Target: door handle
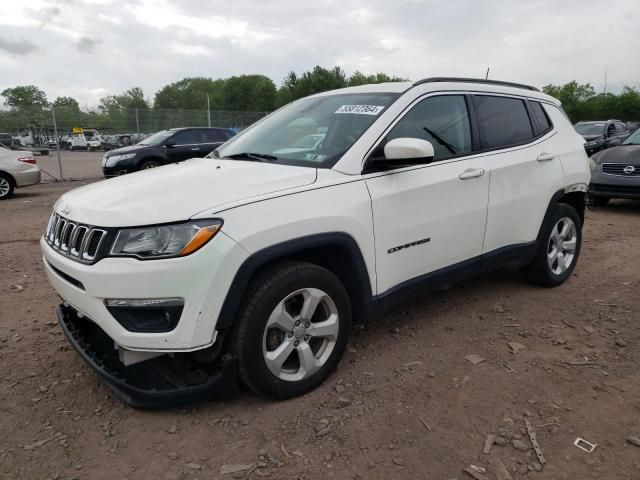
x,y
545,157
195,149
471,173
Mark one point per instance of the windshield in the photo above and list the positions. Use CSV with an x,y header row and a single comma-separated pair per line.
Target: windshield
x,y
157,138
312,132
590,128
633,139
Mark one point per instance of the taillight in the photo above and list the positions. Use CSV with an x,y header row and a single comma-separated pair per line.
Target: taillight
x,y
29,160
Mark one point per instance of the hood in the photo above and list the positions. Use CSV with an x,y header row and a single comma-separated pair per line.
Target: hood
x,y
177,191
591,137
629,154
130,148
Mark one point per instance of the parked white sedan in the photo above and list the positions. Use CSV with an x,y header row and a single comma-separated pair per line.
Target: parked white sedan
x,y
17,169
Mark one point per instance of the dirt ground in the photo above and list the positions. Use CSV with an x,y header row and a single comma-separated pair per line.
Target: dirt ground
x,y
404,403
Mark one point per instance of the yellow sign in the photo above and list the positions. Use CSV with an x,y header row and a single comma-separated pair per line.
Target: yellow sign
x,y
77,130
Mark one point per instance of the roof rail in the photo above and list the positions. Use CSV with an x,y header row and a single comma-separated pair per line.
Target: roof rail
x,y
475,80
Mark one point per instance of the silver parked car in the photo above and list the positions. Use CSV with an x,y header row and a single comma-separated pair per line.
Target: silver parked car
x,y
18,169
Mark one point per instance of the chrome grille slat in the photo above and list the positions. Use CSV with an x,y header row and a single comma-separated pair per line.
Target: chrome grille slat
x,y
65,238
89,253
618,169
79,242
59,227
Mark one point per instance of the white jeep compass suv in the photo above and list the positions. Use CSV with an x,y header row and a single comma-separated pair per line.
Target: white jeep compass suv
x,y
253,263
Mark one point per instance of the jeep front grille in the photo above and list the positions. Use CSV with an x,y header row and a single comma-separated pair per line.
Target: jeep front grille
x,y
619,169
76,241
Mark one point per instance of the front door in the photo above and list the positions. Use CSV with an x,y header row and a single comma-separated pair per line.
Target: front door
x,y
433,216
185,144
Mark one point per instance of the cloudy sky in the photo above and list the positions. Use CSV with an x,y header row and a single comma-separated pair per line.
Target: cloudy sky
x,y
92,48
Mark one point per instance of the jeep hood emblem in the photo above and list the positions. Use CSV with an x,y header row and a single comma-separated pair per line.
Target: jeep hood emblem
x,y
66,210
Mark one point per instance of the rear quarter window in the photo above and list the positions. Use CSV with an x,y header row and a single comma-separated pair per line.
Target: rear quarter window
x,y
542,123
503,121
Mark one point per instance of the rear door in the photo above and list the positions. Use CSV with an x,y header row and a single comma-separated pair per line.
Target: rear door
x,y
212,139
525,166
429,217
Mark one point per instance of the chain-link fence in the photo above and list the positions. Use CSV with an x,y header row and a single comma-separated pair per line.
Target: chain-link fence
x,y
57,135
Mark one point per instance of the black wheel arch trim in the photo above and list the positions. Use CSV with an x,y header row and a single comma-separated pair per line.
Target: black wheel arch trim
x,y
289,248
555,199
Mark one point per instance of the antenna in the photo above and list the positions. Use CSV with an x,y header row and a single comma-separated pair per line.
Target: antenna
x,y
487,75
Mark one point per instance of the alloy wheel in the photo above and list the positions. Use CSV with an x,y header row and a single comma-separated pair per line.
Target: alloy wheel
x,y
5,187
562,246
301,334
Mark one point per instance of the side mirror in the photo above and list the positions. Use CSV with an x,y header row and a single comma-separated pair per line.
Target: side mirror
x,y
170,143
614,142
408,151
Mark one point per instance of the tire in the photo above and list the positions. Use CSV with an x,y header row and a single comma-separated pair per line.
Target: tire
x,y
149,164
557,247
599,201
307,358
6,186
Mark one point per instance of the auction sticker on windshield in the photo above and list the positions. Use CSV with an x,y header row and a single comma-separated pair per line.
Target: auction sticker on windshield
x,y
360,109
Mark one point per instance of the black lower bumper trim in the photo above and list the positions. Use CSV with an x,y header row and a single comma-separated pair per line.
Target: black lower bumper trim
x,y
162,382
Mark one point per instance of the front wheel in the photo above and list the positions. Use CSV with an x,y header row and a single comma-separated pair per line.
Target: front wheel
x,y
293,329
559,248
149,164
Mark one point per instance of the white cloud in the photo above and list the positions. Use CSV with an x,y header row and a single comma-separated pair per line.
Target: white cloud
x,y
90,48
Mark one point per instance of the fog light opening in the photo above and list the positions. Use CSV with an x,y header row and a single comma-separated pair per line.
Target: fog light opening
x,y
149,315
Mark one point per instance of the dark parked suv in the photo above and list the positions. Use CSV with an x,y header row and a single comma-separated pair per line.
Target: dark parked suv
x,y
167,146
615,172
601,134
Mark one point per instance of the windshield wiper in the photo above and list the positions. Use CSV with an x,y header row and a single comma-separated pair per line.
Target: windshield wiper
x,y
441,141
256,157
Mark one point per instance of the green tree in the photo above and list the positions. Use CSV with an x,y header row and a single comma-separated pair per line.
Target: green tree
x,y
191,93
254,93
321,79
66,103
574,98
359,78
28,96
129,99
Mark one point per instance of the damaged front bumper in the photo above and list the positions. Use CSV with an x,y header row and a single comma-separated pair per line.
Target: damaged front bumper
x,y
166,381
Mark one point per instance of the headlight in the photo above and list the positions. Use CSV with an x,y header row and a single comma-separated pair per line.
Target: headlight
x,y
165,241
591,144
593,165
113,159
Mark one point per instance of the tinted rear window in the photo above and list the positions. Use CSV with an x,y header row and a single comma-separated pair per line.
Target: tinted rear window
x,y
503,121
542,123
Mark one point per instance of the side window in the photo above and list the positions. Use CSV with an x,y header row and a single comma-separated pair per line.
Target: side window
x,y
443,121
621,128
611,129
186,137
542,123
214,136
503,121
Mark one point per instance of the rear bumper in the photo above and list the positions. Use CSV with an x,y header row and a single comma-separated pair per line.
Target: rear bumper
x,y
161,382
27,177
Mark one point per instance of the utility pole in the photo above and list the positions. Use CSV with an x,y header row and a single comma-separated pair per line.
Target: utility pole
x,y
137,126
55,133
208,111
605,80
